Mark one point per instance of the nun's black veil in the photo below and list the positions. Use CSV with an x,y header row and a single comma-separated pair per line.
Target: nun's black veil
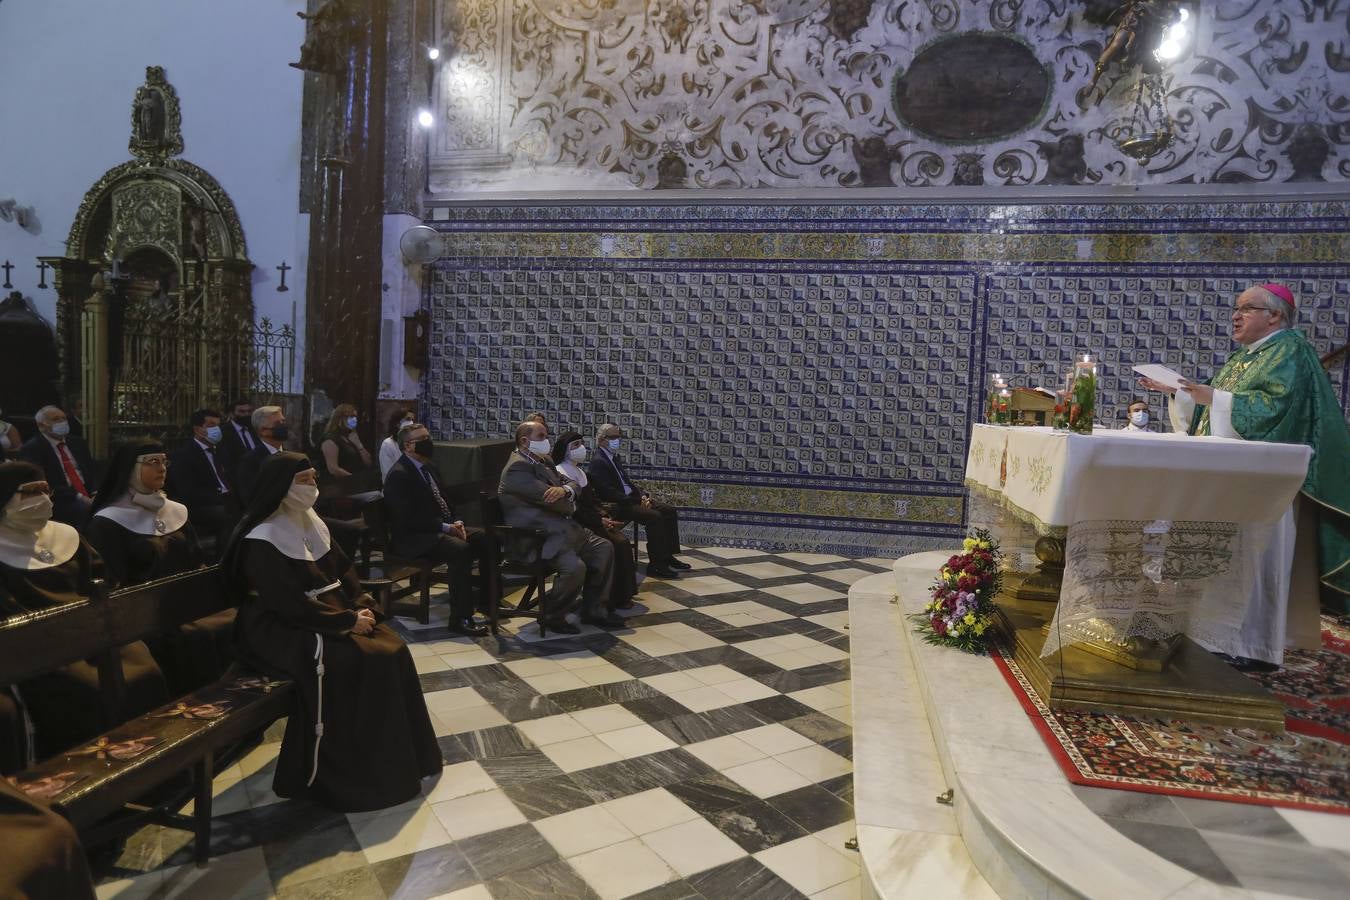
x,y
15,473
117,480
275,477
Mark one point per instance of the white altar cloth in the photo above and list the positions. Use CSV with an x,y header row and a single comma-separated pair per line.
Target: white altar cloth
x,y
1165,531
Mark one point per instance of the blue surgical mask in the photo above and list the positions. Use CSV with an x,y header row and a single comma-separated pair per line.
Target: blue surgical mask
x,y
1140,419
61,429
613,445
213,434
351,422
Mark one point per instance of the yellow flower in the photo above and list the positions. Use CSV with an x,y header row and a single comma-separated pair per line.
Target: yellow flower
x,y
969,544
984,545
969,619
979,629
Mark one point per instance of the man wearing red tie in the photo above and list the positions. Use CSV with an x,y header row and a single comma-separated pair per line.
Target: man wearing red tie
x,y
65,460
197,479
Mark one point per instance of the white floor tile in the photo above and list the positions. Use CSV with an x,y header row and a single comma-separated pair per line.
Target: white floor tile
x,y
709,585
472,718
400,833
813,559
604,673
725,752
622,870
580,753
766,778
469,658
773,739
650,811
845,576
731,552
534,666
440,702
556,683
701,699
743,690
426,664
765,570
808,865
673,682
693,846
477,814
606,718
804,593
552,729
638,740
816,763
582,831
460,780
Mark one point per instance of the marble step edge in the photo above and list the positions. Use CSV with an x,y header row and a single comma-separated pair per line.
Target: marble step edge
x,y
898,862
1008,858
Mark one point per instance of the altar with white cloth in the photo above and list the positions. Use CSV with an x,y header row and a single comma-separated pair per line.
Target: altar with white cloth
x,y
1163,536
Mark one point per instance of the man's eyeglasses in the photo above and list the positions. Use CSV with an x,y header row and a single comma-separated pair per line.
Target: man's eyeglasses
x,y
1248,310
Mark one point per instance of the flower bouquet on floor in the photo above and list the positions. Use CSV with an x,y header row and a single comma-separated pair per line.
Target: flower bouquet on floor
x,y
962,609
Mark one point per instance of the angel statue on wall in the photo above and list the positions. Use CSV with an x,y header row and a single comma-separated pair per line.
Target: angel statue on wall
x,y
1141,24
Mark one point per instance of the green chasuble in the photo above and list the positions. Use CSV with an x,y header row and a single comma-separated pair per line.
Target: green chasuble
x,y
1281,394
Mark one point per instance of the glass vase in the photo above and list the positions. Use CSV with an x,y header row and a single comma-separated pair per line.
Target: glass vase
x,y
1081,391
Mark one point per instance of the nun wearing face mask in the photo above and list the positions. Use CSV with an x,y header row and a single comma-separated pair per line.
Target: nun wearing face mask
x,y
44,564
359,737
142,535
569,452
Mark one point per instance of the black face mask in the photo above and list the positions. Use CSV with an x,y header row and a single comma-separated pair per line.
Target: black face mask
x,y
280,432
425,447
243,421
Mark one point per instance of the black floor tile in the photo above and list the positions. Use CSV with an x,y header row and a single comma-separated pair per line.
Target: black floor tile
x,y
552,879
744,879
624,691
656,709
453,749
520,768
442,681
578,699
424,874
671,890
513,849
812,807
756,826
548,797
779,709
731,719
818,727
689,728
488,743
843,746
711,794
1183,846
841,786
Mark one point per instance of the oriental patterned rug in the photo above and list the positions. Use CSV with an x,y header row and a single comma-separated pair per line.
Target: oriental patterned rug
x,y
1308,767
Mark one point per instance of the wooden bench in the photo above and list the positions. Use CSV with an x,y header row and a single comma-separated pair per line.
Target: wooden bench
x,y
99,785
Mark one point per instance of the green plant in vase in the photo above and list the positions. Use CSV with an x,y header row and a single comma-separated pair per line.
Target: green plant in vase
x,y
1083,395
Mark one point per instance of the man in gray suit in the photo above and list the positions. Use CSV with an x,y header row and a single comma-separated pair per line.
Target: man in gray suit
x,y
534,495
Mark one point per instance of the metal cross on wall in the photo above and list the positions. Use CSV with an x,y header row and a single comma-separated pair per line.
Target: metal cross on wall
x,y
283,269
8,267
42,274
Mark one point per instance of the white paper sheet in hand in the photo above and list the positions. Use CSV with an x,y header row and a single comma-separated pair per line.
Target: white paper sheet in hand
x,y
1160,374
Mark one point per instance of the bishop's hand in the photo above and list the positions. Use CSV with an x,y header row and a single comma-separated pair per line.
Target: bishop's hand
x,y
1200,393
1149,384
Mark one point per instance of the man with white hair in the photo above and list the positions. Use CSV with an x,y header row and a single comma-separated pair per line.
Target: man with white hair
x,y
269,425
1274,389
64,458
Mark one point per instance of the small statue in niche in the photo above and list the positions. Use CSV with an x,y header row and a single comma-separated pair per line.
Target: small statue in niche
x,y
1307,152
874,160
150,116
1064,161
671,173
847,16
325,38
969,170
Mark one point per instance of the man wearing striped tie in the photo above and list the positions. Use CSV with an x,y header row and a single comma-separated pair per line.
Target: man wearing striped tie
x,y
64,459
423,525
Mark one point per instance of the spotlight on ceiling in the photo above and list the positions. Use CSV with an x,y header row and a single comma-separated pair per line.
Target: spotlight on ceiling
x,y
433,53
425,118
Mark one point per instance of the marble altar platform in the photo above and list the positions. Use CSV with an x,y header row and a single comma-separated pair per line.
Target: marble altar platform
x,y
928,719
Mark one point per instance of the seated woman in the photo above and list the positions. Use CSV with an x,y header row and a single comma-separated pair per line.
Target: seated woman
x,y
359,737
40,855
390,450
569,452
142,535
346,460
44,564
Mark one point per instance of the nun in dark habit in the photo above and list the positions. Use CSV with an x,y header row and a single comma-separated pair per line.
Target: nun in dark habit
x,y
142,535
40,854
359,737
44,564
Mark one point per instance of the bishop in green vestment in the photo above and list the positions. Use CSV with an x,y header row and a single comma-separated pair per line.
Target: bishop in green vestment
x,y
1274,389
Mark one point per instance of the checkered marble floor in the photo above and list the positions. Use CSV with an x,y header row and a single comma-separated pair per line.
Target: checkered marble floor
x,y
702,752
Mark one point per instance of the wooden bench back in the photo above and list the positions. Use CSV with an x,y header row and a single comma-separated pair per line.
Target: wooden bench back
x,y
46,640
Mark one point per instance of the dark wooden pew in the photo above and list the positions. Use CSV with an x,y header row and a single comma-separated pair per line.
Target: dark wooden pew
x,y
98,786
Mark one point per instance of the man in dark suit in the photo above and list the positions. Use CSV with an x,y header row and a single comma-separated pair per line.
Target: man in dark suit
x,y
534,495
197,479
422,525
269,424
64,458
629,501
237,440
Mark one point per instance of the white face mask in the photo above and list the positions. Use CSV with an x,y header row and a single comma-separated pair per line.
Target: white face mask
x,y
577,454
1140,419
27,515
301,497
61,429
540,448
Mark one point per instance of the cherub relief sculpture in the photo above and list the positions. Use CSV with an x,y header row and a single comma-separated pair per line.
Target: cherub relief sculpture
x,y
1141,23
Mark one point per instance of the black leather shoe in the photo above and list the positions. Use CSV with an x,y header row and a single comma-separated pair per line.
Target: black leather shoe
x,y
679,564
608,621
562,627
627,604
468,628
662,572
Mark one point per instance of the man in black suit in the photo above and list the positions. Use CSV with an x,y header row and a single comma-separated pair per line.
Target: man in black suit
x,y
197,479
269,424
630,502
238,439
65,460
422,525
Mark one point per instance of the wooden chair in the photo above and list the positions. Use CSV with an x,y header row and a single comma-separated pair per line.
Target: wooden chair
x,y
532,604
416,575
